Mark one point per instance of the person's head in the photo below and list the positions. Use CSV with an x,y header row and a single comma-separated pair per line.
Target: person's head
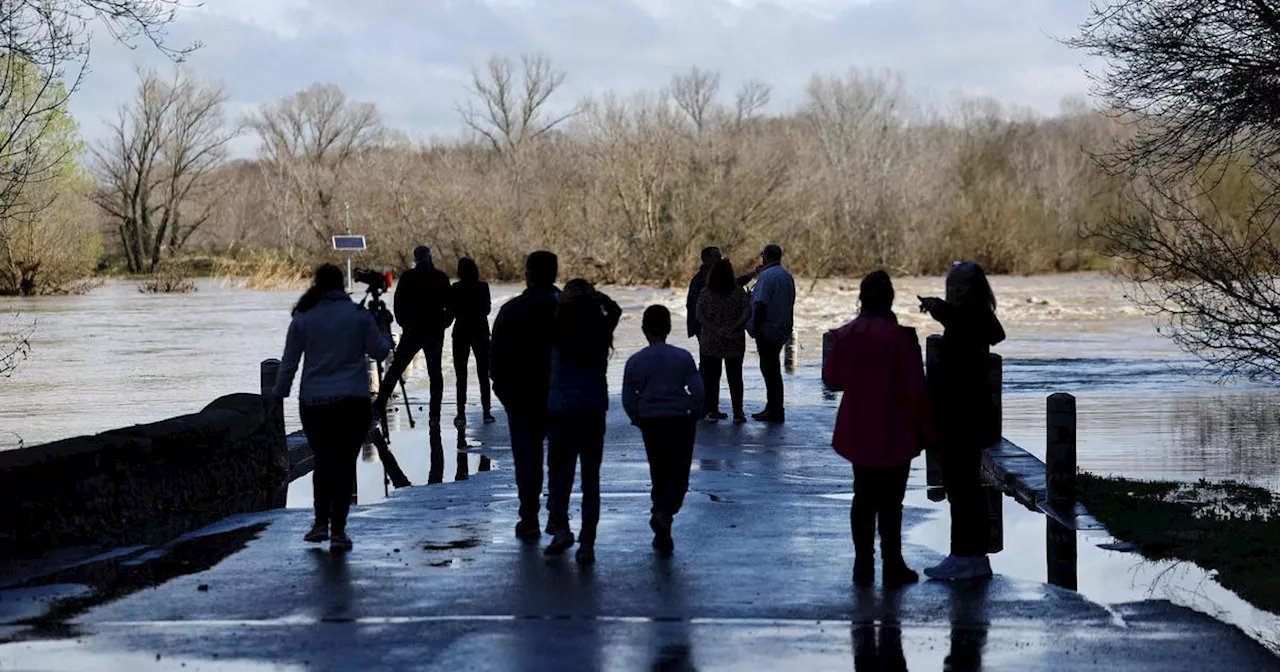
x,y
876,294
967,285
772,254
422,255
582,334
656,324
467,270
541,269
710,255
328,278
721,279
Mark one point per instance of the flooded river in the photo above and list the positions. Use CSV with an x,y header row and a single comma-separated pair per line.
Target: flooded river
x,y
116,357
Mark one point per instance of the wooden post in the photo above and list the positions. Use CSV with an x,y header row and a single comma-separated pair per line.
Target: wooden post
x,y
268,371
790,356
828,339
1060,554
933,356
1060,454
995,518
995,379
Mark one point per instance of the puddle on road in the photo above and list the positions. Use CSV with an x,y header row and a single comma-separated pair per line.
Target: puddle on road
x,y
1104,576
422,455
70,592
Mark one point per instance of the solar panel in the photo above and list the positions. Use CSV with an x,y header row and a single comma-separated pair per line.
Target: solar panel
x,y
349,243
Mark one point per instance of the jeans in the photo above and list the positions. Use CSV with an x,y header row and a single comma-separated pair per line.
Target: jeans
x,y
336,433
962,480
528,432
573,436
668,443
877,496
771,369
462,349
432,347
710,367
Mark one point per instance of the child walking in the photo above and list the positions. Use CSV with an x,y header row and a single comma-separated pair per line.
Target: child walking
x,y
662,394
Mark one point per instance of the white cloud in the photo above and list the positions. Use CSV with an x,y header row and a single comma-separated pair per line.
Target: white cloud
x,y
412,57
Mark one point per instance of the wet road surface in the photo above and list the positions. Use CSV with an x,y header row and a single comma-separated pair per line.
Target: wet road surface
x,y
760,581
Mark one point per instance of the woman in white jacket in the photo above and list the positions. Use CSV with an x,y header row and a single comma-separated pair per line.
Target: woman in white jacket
x,y
332,336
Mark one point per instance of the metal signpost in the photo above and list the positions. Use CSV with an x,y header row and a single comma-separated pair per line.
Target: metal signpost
x,y
349,244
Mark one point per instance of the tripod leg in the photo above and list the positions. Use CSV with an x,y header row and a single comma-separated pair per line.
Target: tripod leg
x,y
386,433
408,409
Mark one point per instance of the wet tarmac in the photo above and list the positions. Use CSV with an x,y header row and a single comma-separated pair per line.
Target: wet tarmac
x,y
760,581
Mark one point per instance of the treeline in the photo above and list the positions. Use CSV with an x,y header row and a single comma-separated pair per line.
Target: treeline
x,y
629,188
625,187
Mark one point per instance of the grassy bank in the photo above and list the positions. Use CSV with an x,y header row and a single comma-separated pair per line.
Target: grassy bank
x,y
1227,527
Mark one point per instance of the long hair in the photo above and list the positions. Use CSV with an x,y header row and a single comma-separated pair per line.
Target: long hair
x,y
583,336
467,270
967,286
328,278
876,295
720,279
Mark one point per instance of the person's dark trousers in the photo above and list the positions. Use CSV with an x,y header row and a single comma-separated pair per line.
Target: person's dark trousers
x,y
877,497
668,443
432,347
462,349
962,480
336,432
710,368
771,369
574,436
528,432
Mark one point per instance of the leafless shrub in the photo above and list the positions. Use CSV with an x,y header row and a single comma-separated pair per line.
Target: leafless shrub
x,y
1195,82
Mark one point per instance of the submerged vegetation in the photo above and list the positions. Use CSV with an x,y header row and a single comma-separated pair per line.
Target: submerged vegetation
x,y
1228,528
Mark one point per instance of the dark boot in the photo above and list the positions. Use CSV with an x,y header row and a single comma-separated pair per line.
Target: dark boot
x,y
862,519
896,571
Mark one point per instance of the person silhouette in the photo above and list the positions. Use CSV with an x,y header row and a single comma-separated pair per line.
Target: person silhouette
x,y
520,367
964,413
471,307
773,304
577,405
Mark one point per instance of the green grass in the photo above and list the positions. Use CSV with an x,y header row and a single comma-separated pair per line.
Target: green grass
x,y
1227,527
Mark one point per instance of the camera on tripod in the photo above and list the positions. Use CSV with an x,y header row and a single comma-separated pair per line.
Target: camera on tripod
x,y
376,282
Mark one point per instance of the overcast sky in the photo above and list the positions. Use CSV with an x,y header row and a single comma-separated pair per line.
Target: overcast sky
x,y
413,57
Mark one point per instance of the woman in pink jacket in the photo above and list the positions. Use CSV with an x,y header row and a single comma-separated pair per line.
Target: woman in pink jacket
x,y
882,424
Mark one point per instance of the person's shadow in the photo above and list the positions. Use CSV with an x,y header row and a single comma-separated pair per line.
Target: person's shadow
x,y
464,465
675,648
335,597
436,472
879,649
969,626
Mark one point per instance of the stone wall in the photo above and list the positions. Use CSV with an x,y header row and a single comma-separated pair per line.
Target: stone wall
x,y
143,483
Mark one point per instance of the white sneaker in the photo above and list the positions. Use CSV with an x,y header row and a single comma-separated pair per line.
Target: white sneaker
x,y
949,565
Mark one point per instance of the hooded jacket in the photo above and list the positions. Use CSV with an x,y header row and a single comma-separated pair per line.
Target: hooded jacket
x,y
884,418
963,403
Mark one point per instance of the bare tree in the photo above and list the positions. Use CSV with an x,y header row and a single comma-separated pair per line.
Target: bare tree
x,y
15,346
309,141
1196,82
157,164
854,120
510,114
45,47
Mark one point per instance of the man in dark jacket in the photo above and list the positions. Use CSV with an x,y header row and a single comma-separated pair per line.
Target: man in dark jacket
x,y
424,309
520,367
710,255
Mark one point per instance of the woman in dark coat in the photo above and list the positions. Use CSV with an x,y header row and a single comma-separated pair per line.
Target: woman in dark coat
x,y
471,305
883,424
964,412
